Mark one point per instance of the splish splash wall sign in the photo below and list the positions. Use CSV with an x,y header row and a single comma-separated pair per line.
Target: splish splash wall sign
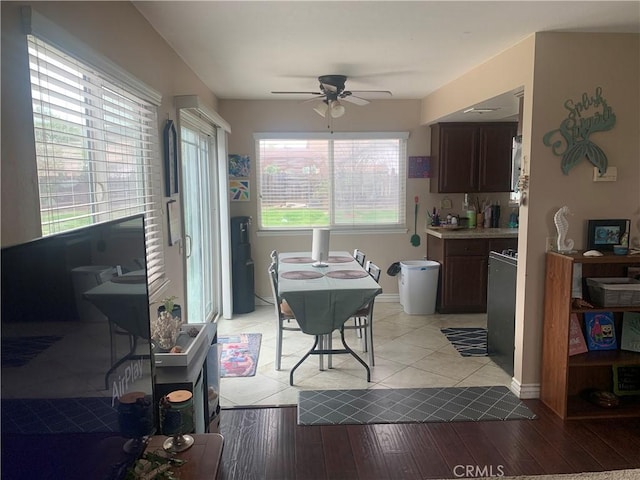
x,y
571,141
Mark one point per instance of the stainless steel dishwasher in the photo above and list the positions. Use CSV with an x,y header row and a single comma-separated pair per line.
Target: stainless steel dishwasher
x,y
501,307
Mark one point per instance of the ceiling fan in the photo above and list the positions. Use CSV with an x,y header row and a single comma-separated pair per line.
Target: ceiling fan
x,y
332,90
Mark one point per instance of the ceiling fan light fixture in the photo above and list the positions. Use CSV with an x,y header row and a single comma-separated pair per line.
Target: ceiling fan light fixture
x,y
337,109
321,109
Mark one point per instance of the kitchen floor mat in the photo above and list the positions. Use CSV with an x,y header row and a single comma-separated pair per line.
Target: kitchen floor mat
x,y
470,342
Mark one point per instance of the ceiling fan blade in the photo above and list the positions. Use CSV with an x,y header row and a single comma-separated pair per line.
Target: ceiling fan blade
x,y
372,94
354,99
313,99
297,93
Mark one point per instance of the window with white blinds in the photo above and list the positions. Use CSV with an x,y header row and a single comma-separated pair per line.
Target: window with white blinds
x,y
96,143
341,180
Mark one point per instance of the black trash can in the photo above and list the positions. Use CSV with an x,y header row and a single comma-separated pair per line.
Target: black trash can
x,y
242,267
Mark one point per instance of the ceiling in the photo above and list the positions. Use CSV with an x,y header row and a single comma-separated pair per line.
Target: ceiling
x,y
245,50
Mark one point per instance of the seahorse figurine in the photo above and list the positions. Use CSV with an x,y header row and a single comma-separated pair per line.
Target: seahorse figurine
x,y
562,225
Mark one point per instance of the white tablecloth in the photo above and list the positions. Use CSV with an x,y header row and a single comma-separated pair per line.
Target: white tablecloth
x,y
322,305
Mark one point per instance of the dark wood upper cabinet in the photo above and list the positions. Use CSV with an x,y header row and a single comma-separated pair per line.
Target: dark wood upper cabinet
x,y
471,157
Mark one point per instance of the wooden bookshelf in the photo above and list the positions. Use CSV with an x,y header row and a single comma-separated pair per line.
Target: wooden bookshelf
x,y
565,378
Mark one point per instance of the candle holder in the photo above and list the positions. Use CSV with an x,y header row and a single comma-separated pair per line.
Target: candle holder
x,y
176,416
135,419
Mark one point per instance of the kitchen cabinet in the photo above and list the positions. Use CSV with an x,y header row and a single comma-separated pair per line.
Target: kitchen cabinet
x,y
565,378
462,287
472,157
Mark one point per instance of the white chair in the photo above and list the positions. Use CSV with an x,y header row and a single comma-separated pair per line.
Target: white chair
x,y
284,314
363,318
359,256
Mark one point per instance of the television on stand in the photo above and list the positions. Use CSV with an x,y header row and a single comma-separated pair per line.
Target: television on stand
x,y
77,370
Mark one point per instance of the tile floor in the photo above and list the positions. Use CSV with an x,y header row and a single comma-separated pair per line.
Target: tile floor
x,y
410,352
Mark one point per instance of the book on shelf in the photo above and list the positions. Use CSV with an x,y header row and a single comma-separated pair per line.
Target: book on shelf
x,y
630,335
600,331
576,338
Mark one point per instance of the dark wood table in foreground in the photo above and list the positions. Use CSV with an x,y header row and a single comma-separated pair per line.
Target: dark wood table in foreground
x,y
202,459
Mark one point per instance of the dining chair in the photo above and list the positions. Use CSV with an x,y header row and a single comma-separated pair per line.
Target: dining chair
x,y
363,318
359,256
284,314
274,259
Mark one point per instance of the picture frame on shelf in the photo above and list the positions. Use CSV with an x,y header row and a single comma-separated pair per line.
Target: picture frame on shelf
x,y
602,235
626,379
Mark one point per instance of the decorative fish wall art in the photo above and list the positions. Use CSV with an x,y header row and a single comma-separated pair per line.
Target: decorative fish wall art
x,y
571,141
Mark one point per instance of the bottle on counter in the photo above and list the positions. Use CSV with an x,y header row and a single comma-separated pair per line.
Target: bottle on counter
x,y
487,217
495,216
471,216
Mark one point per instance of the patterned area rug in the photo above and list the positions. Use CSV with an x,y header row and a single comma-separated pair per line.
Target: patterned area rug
x,y
18,351
239,354
409,405
470,342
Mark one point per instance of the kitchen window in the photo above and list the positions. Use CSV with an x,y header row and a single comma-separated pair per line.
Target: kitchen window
x,y
96,140
345,181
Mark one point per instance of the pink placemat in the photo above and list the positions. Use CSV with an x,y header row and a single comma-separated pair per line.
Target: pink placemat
x,y
340,259
347,274
297,260
301,275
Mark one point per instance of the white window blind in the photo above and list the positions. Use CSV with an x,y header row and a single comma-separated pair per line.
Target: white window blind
x,y
342,181
96,144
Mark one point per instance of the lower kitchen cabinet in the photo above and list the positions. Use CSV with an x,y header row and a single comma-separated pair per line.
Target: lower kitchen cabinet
x,y
464,284
462,287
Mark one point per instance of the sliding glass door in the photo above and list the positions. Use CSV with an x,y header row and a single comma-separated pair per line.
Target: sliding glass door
x,y
201,215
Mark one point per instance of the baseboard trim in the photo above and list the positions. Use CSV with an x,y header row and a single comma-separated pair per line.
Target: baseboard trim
x,y
388,298
525,391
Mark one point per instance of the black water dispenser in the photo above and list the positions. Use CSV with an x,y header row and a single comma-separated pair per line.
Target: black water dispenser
x,y
242,268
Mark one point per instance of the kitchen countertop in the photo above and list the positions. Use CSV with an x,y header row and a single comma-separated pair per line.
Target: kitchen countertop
x,y
465,233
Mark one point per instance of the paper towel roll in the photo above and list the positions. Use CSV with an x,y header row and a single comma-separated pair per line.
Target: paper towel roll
x,y
320,245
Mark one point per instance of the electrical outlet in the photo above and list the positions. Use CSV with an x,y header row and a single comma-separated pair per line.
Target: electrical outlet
x,y
445,204
551,244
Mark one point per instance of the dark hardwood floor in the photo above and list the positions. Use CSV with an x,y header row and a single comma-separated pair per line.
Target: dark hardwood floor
x,y
267,443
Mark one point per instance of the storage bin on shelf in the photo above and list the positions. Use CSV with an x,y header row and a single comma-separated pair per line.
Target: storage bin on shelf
x,y
614,291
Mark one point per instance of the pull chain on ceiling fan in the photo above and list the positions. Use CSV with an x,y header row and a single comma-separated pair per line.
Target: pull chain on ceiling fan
x,y
332,90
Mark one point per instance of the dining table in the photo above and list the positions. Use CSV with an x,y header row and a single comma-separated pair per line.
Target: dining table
x,y
323,298
125,302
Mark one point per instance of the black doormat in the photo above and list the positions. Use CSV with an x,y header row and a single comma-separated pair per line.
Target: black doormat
x,y
18,351
470,342
410,405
